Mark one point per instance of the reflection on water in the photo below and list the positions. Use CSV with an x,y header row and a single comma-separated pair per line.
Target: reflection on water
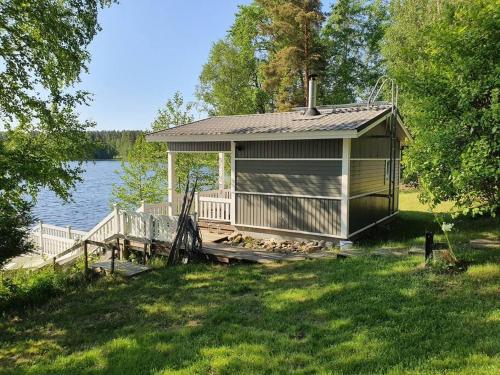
x,y
90,199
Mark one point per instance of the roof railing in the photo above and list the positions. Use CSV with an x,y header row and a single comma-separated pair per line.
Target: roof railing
x,y
379,85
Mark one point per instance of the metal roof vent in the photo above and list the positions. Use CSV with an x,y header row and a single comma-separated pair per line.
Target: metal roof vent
x,y
311,103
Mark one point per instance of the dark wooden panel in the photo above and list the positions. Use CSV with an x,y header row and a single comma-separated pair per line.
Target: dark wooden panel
x,y
300,177
312,215
315,148
217,146
367,210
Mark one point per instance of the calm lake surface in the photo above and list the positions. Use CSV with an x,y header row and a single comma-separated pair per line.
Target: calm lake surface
x,y
90,199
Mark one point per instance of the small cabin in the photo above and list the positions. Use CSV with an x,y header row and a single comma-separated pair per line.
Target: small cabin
x,y
329,173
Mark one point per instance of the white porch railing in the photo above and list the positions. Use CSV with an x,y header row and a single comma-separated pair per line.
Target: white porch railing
x,y
54,241
212,205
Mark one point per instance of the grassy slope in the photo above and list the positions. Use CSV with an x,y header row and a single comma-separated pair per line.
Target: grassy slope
x,y
354,316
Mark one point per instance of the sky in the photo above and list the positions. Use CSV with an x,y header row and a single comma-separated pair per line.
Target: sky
x,y
147,50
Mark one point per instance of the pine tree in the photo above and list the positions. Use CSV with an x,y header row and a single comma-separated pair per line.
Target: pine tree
x,y
294,49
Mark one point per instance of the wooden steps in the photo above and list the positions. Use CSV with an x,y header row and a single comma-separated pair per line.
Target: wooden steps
x,y
123,267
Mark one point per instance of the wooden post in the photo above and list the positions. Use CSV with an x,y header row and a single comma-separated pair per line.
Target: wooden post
x,y
54,263
222,175
41,236
232,215
118,248
145,257
344,203
429,244
86,260
172,201
126,250
113,249
69,232
143,206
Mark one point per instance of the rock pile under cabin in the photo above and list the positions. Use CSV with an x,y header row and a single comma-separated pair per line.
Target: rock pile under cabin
x,y
237,239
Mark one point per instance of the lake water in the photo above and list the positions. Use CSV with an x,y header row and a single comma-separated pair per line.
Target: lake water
x,y
90,199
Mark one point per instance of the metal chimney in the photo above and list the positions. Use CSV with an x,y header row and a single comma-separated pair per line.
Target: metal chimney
x,y
311,103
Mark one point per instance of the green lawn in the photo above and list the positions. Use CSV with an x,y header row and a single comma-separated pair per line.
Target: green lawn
x,y
355,316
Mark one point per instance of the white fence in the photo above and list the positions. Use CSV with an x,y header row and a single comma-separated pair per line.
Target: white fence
x,y
151,221
57,242
214,205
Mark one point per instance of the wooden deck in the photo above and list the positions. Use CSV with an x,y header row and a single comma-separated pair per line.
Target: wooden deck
x,y
228,254
122,267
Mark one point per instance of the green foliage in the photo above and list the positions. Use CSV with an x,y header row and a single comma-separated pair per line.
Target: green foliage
x,y
272,47
143,175
112,144
444,56
351,36
294,50
23,289
15,218
43,49
196,165
230,82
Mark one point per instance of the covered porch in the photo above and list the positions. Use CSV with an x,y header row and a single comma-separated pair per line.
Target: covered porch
x,y
210,205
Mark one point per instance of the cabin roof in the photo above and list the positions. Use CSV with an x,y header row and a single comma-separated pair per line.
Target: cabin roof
x,y
335,121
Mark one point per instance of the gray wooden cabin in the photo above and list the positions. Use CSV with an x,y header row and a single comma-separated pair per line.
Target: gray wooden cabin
x,y
331,174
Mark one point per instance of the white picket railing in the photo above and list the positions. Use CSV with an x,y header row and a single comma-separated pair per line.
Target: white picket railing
x,y
214,205
218,209
56,241
225,193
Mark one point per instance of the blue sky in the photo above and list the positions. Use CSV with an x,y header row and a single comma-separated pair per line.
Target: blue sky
x,y
146,51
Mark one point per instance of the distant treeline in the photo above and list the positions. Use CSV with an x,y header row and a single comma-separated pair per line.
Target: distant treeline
x,y
112,144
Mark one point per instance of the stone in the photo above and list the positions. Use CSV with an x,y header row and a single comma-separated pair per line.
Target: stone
x,y
322,243
312,248
237,239
233,235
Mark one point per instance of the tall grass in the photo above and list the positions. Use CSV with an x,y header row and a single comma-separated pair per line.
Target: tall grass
x,y
22,289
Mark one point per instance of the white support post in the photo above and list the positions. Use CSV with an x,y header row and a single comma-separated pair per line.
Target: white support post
x,y
196,202
172,209
116,219
69,232
222,175
346,172
233,183
150,227
142,207
41,236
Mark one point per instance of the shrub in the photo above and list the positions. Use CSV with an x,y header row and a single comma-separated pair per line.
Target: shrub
x,y
22,289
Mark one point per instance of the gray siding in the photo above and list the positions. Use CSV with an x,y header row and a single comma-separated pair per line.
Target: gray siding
x,y
316,148
289,213
374,144
289,177
300,177
376,148
367,176
218,146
